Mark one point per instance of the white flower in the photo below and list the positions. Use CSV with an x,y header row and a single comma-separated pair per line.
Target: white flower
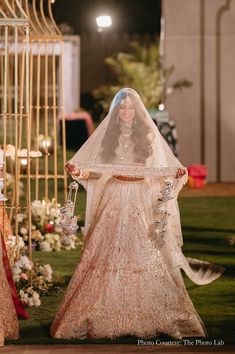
x,y
16,270
56,237
54,241
57,248
30,301
37,204
25,237
24,262
70,246
23,231
45,246
16,278
73,246
48,271
35,295
37,302
20,243
21,293
36,235
11,241
49,238
20,217
57,228
24,296
54,212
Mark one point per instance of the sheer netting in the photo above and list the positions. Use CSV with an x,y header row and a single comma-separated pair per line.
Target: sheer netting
x,y
128,281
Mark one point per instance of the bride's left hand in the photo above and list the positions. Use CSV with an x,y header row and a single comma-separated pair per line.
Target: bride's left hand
x,y
180,173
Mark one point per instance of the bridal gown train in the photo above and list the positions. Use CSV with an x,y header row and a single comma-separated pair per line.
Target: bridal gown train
x,y
122,285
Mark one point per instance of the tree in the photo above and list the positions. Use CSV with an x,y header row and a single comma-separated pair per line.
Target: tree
x,y
141,69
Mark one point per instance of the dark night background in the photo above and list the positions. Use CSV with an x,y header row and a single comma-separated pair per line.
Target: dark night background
x,y
131,16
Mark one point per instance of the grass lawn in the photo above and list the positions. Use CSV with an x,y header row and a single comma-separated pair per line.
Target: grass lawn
x,y
207,225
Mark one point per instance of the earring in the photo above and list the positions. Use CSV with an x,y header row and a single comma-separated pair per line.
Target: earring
x,y
117,119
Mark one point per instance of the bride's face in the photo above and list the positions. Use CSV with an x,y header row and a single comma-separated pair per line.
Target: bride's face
x,y
126,110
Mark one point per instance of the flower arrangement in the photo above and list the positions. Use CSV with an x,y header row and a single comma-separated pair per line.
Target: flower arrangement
x,y
31,278
14,249
46,229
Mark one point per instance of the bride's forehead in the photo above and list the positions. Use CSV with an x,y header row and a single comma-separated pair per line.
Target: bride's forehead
x,y
127,101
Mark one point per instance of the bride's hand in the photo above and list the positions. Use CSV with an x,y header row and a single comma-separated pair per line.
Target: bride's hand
x,y
71,169
180,173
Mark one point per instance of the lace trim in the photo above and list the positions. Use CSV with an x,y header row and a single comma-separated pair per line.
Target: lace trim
x,y
129,171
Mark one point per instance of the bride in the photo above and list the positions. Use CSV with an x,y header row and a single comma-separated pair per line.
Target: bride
x,y
129,281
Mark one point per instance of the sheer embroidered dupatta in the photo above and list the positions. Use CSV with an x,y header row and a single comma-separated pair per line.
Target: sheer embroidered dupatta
x,y
155,162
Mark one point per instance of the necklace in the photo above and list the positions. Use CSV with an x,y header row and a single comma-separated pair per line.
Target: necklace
x,y
125,142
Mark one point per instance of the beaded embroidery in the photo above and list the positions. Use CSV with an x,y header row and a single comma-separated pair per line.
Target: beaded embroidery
x,y
159,229
68,221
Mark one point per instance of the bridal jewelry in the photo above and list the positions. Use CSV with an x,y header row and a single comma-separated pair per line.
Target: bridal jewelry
x,y
124,140
68,221
159,229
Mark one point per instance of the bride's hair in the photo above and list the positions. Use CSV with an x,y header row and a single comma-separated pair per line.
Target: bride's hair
x,y
140,136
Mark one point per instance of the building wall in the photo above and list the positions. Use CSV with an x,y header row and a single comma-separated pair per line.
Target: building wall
x,y
199,40
71,73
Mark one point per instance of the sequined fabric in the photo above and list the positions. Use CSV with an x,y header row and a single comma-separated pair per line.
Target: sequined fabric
x,y
5,226
8,318
122,285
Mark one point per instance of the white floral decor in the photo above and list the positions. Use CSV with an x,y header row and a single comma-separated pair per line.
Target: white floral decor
x,y
46,229
31,278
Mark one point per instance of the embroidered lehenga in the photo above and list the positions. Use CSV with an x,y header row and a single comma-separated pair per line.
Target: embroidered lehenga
x,y
128,281
9,327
